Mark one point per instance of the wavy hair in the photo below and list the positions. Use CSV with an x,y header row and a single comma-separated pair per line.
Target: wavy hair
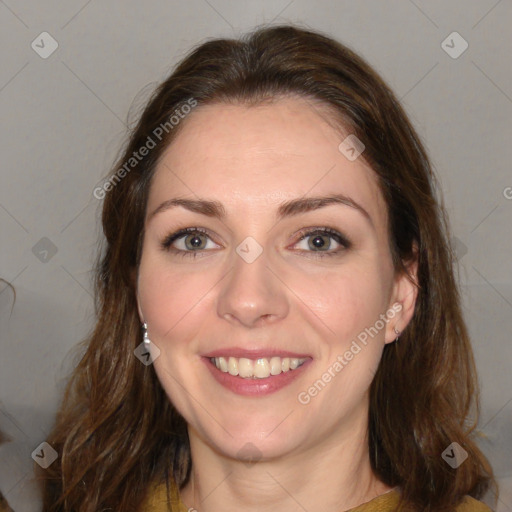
x,y
116,430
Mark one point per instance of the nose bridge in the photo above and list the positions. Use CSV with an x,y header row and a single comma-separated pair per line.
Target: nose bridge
x,y
251,290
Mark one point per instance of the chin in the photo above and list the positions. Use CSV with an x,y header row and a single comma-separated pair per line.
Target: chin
x,y
253,441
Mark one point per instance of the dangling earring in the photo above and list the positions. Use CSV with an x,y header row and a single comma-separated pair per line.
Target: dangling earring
x,y
146,340
397,332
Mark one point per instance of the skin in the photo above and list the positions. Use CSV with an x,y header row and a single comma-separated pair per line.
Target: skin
x,y
252,159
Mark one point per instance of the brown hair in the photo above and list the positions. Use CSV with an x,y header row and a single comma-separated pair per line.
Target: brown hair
x,y
116,430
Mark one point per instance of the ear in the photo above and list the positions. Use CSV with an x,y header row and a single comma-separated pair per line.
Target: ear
x,y
403,299
141,316
135,280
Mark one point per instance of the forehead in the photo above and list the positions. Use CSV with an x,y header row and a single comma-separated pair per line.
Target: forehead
x,y
258,156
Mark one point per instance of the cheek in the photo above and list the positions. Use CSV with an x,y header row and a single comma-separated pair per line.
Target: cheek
x,y
170,299
174,304
347,305
341,303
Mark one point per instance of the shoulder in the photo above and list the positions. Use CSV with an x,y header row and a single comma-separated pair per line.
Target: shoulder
x,y
160,497
471,505
389,501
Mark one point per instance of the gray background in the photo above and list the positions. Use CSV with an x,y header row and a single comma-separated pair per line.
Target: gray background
x,y
64,119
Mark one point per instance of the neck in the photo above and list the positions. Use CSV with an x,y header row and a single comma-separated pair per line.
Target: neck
x,y
335,475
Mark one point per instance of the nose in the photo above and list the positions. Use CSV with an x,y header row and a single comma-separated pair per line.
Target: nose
x,y
252,293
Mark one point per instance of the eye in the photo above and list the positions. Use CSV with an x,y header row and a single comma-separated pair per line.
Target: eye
x,y
190,242
187,242
319,240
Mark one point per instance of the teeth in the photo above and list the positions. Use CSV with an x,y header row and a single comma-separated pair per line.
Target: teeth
x,y
232,365
223,364
245,367
256,369
276,366
261,369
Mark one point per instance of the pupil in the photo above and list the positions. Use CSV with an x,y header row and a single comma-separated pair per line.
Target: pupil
x,y
195,241
318,242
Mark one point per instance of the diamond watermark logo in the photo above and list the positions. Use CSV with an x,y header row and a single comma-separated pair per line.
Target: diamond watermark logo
x,y
249,454
351,148
454,455
44,250
147,353
44,45
454,45
44,455
459,248
249,250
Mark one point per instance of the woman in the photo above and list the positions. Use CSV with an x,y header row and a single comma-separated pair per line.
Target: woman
x,y
275,248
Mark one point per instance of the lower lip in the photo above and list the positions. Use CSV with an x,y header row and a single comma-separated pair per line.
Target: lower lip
x,y
255,387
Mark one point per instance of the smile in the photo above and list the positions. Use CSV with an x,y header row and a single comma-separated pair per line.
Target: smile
x,y
260,368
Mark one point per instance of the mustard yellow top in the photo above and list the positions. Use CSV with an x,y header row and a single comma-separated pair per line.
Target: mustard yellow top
x,y
386,502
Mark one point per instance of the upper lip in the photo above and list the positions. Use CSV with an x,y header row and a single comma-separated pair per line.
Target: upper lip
x,y
239,352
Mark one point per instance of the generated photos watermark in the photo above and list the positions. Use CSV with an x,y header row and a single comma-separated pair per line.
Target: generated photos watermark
x,y
305,397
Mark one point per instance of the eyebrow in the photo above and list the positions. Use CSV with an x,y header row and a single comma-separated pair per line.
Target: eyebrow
x,y
290,208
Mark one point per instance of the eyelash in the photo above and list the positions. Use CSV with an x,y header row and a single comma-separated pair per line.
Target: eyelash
x,y
304,233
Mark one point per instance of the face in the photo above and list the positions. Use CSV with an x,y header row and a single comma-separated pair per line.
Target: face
x,y
266,279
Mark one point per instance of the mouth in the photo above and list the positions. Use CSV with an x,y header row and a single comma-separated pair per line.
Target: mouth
x,y
255,373
260,368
